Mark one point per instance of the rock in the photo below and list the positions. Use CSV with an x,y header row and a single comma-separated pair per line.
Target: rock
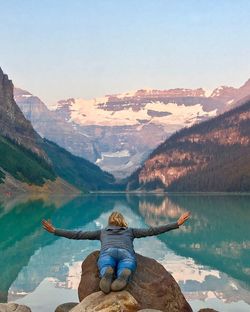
x,y
9,307
207,310
149,310
113,302
66,307
152,286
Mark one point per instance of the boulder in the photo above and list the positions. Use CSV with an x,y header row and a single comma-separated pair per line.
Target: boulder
x,y
124,304
112,302
152,286
207,310
13,307
66,307
149,310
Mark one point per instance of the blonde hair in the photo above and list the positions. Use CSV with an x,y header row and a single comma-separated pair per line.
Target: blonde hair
x,y
116,218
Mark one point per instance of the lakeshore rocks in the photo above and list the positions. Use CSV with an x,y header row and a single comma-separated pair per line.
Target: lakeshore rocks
x,y
112,302
152,287
149,310
207,310
13,307
66,307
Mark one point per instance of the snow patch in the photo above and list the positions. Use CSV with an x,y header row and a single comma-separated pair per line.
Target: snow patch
x,y
208,92
89,112
26,95
230,102
117,154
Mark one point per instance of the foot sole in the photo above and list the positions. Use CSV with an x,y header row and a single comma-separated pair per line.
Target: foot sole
x,y
106,281
121,282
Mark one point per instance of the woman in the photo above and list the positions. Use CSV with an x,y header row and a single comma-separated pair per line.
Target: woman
x,y
117,260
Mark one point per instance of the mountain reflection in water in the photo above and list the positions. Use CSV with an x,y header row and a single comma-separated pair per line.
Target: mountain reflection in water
x,y
217,235
209,256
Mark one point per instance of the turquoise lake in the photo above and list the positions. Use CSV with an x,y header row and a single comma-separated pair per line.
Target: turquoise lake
x,y
209,256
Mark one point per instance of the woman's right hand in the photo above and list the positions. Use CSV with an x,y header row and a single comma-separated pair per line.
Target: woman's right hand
x,y
183,218
47,225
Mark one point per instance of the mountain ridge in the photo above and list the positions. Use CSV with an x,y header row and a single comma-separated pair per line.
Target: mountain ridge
x,y
12,121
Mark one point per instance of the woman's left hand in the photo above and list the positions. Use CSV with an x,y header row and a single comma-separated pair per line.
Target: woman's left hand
x,y
48,226
183,218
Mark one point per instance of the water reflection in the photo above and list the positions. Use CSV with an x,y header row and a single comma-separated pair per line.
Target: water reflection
x,y
217,235
209,256
22,235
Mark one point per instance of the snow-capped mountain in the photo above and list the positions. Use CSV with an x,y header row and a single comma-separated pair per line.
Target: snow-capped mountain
x,y
52,126
230,95
168,108
118,132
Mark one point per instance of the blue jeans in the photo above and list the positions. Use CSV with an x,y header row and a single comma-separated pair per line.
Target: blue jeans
x,y
117,258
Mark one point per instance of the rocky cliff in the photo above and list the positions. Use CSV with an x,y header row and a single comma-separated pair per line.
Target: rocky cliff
x,y
13,124
211,156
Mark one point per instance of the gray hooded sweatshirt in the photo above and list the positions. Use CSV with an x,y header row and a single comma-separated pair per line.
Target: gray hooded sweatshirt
x,y
115,236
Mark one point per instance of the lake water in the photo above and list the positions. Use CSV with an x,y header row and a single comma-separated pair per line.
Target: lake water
x,y
209,256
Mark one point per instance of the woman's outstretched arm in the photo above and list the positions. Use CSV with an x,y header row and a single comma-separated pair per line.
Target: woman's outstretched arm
x,y
138,233
93,235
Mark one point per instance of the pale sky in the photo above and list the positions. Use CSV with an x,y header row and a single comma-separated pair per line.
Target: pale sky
x,y
58,49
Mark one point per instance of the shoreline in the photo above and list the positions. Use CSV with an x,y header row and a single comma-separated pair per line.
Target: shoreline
x,y
169,193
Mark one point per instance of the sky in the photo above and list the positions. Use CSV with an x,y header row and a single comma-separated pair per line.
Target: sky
x,y
57,49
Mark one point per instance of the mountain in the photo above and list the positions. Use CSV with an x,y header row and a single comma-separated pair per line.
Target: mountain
x,y
78,171
30,163
231,96
22,164
118,132
22,160
211,156
51,126
12,121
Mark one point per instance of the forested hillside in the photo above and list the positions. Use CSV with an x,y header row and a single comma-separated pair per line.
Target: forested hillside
x,y
76,170
211,156
23,164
